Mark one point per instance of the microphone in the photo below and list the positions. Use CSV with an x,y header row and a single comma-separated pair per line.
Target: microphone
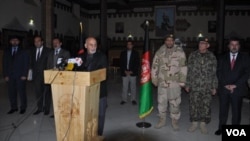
x,y
73,63
61,63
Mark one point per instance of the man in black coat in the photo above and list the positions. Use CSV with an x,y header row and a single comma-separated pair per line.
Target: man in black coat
x,y
233,73
39,58
129,65
93,60
15,70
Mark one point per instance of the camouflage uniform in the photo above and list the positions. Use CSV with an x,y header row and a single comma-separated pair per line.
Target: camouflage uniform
x,y
168,70
201,79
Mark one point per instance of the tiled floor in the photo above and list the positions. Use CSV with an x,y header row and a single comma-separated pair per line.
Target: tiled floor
x,y
120,122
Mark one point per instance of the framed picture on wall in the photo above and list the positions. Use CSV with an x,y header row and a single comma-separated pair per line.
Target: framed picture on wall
x,y
165,19
119,27
211,26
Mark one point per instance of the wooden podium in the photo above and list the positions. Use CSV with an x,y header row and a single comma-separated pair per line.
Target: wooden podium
x,y
76,103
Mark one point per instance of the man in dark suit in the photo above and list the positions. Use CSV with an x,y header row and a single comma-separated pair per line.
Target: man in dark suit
x,y
233,72
129,65
15,70
55,59
39,58
93,60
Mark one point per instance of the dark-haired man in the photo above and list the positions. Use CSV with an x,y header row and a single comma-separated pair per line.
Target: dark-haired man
x,y
233,73
15,71
56,56
39,58
129,64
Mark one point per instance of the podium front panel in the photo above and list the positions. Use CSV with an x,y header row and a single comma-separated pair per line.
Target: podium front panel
x,y
76,111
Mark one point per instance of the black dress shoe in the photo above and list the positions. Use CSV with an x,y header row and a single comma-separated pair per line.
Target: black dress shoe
x,y
12,111
46,113
37,112
122,102
134,102
218,132
22,111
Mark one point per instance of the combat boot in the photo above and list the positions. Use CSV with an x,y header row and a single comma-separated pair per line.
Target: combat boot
x,y
203,128
161,122
175,124
193,127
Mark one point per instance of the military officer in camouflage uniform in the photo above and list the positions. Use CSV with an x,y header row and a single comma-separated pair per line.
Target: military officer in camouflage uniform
x,y
201,84
169,74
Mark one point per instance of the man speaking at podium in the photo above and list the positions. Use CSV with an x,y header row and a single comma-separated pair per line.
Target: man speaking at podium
x,y
92,60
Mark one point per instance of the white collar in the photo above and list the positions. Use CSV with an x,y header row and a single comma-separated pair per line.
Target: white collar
x,y
235,54
58,49
40,48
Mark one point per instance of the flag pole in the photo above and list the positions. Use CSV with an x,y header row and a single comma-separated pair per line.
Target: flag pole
x,y
81,50
143,124
146,101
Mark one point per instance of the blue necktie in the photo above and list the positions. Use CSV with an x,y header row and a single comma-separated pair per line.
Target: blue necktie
x,y
14,50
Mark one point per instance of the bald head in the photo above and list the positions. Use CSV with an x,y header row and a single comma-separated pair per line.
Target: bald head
x,y
91,45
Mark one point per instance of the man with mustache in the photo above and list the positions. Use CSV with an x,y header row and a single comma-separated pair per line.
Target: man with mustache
x,y
233,73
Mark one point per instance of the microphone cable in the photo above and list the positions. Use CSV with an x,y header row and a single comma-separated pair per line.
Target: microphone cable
x,y
16,124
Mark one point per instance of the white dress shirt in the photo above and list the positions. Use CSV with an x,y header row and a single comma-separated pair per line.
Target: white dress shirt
x,y
233,54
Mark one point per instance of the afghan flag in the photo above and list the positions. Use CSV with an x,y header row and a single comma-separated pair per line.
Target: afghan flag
x,y
146,98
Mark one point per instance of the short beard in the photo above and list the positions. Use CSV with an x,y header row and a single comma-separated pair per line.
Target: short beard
x,y
233,51
170,47
91,52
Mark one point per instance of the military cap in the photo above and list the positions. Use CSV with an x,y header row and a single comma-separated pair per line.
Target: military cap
x,y
202,39
170,36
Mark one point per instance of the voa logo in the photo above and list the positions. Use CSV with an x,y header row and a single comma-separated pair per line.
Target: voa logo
x,y
236,132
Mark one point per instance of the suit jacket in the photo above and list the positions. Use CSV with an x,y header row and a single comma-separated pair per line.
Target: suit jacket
x,y
38,66
98,61
62,54
134,62
237,76
17,66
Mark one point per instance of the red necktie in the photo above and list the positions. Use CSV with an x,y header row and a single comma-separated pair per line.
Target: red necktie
x,y
233,62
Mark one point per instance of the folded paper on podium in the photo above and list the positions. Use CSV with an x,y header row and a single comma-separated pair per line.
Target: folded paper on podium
x,y
76,103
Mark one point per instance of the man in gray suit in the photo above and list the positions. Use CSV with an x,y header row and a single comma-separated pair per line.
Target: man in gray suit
x,y
57,55
55,59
